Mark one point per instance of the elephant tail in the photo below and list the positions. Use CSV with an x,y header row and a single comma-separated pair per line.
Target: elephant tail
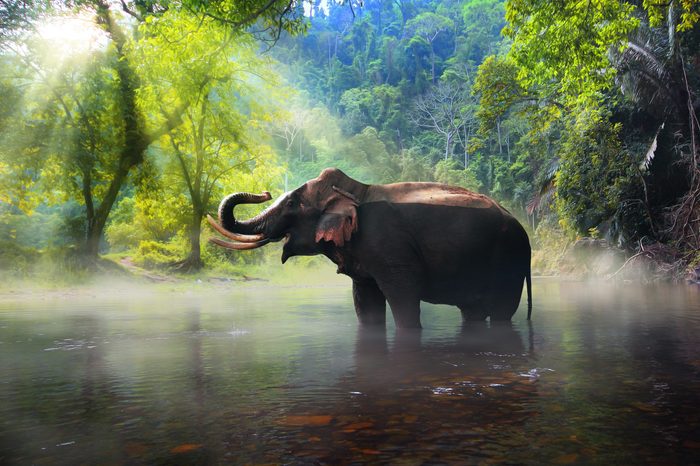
x,y
528,283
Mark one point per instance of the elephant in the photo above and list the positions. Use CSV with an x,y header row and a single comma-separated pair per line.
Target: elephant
x,y
400,243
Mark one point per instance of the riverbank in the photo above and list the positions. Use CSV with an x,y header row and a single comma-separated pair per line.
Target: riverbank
x,y
118,276
122,278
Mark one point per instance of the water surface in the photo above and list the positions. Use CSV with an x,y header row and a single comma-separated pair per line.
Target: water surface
x,y
602,375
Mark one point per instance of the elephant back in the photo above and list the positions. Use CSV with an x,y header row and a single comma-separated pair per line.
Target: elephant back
x,y
430,194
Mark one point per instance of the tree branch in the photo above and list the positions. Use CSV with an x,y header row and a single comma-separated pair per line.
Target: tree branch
x,y
130,12
183,165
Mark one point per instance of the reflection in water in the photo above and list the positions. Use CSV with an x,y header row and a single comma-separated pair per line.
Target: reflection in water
x,y
601,375
426,401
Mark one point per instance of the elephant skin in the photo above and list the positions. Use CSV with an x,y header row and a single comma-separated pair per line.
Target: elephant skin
x,y
400,243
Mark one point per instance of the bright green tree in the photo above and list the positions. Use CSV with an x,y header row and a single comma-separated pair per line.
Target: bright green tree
x,y
427,27
219,82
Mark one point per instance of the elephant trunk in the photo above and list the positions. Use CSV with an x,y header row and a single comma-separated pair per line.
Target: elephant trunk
x,y
249,233
253,226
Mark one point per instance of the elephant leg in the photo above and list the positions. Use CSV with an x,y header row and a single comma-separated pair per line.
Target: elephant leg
x,y
406,311
506,293
405,305
370,303
403,286
504,306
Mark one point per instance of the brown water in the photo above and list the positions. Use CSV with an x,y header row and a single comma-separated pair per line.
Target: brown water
x,y
602,375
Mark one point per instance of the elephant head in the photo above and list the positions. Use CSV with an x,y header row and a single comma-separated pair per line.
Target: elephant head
x,y
322,210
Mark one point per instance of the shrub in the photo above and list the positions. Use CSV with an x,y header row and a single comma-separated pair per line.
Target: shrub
x,y
17,259
154,254
123,236
549,246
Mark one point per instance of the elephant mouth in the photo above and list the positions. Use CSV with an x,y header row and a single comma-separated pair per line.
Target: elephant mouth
x,y
240,242
286,251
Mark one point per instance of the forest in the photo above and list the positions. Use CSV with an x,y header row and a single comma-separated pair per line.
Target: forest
x,y
124,123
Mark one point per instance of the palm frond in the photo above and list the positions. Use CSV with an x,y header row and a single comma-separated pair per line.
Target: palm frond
x,y
544,195
651,152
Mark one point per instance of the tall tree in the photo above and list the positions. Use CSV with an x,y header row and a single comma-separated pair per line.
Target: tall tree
x,y
428,26
218,82
441,110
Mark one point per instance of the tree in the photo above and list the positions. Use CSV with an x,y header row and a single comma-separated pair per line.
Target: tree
x,y
97,134
467,115
441,110
217,81
449,172
428,26
483,22
564,46
291,129
19,16
500,92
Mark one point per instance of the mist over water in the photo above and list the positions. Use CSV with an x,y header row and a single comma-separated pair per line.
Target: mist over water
x,y
603,374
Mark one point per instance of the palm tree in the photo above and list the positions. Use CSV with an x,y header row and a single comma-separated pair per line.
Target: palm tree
x,y
653,73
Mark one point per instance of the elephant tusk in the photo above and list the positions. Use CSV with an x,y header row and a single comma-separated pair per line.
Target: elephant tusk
x,y
238,246
234,236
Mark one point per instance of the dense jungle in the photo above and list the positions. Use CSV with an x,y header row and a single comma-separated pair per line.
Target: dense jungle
x,y
123,125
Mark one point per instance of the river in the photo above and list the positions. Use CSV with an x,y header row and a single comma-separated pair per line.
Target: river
x,y
603,374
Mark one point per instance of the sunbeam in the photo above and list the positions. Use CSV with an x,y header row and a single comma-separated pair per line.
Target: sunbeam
x,y
70,35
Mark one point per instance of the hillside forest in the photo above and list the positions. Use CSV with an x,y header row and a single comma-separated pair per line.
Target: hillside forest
x,y
124,123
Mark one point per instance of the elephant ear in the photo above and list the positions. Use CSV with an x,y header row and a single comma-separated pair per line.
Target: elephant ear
x,y
339,219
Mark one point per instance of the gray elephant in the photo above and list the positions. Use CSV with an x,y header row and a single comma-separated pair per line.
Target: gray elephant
x,y
402,243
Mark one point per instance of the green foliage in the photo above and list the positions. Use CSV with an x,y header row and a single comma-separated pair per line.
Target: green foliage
x,y
658,11
564,46
498,88
154,254
450,172
125,229
549,243
367,157
274,15
552,102
596,178
483,21
123,236
218,82
17,259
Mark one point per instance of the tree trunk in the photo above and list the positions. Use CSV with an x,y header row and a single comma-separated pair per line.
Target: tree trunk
x,y
500,144
91,248
131,153
507,138
91,245
466,146
97,217
194,260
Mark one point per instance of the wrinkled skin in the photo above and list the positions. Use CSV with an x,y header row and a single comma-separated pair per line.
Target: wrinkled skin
x,y
402,243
